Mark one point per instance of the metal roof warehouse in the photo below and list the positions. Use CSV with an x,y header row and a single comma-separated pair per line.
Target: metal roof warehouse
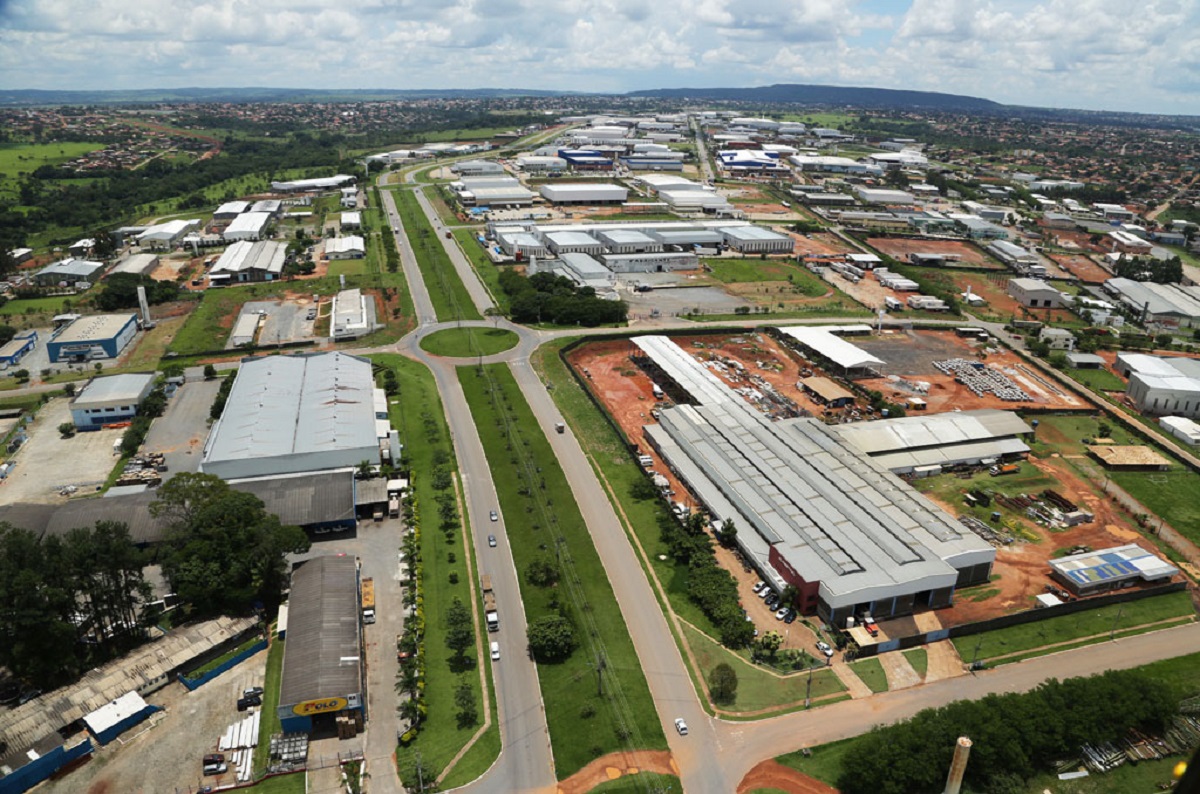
x,y
848,534
289,414
904,443
322,663
824,342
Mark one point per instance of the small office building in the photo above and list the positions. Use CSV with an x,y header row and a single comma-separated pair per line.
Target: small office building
x,y
91,338
1035,294
110,399
17,348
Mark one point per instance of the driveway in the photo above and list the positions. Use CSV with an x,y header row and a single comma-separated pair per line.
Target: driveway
x,y
180,432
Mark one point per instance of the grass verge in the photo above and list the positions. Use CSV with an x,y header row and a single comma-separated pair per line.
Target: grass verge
x,y
531,484
469,342
641,782
918,658
269,723
489,273
419,417
446,290
1088,623
759,690
870,672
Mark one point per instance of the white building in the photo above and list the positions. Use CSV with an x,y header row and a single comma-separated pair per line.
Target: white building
x,y
756,240
583,193
1057,338
1182,428
246,261
1162,385
351,220
352,314
164,236
248,226
349,247
1035,294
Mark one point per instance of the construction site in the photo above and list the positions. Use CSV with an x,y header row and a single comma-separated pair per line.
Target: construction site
x,y
1031,507
956,253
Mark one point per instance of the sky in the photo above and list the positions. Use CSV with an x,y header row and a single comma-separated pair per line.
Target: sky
x,y
1132,55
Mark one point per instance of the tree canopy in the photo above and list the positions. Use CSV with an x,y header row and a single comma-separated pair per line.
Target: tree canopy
x,y
224,553
551,638
120,291
547,298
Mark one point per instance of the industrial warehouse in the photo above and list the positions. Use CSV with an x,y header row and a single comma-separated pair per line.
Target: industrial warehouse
x,y
288,414
323,661
828,519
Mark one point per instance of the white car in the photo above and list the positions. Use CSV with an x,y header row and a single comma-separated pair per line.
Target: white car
x,y
495,651
494,516
681,726
781,614
824,648
759,585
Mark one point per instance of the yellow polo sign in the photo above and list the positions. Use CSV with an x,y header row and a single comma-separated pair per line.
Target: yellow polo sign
x,y
310,707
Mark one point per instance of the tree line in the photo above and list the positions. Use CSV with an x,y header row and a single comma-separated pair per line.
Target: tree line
x,y
70,602
1014,736
547,298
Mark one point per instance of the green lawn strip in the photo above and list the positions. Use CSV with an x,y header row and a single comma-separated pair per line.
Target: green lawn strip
x,y
438,201
1145,776
417,414
567,687
639,783
610,455
348,267
212,664
735,271
294,783
1096,379
1089,622
918,658
488,272
824,761
757,688
838,306
1091,641
469,342
870,672
269,723
1170,495
49,305
449,295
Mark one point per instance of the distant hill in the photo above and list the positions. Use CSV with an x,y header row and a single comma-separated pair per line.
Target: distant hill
x,y
36,97
830,95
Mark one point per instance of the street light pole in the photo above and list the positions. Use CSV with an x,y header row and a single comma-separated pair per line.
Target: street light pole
x,y
1113,631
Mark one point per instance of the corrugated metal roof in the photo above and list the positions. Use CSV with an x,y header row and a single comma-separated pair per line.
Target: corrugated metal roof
x,y
265,255
321,658
915,432
282,405
95,327
101,391
305,499
824,342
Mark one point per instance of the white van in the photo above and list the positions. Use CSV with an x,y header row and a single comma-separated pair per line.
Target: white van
x,y
495,651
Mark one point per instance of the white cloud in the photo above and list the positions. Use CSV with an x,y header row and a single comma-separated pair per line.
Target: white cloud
x,y
1075,53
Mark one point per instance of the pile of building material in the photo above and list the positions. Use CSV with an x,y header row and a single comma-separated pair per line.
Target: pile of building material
x,y
240,739
143,470
983,530
288,751
982,379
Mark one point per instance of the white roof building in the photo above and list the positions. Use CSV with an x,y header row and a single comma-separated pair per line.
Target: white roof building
x,y
247,261
166,235
248,226
823,341
350,247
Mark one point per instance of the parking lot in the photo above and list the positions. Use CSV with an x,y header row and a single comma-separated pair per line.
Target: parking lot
x,y
180,432
167,756
682,300
284,321
47,462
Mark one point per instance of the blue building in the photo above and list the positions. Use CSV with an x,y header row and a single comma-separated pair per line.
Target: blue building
x,y
16,348
112,399
96,337
112,719
586,159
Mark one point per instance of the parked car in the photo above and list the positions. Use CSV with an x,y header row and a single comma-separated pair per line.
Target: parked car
x,y
681,726
246,702
252,692
824,648
781,614
759,585
791,617
214,758
492,541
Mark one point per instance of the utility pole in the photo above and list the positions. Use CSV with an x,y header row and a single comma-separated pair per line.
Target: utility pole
x,y
808,687
600,665
1113,631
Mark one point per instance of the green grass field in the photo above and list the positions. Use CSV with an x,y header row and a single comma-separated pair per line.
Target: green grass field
x,y
469,342
25,158
640,783
1097,379
446,290
294,783
1090,622
488,273
1171,495
419,418
870,672
38,308
542,516
757,688
739,271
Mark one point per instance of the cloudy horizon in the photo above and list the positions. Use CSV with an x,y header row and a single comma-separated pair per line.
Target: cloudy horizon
x,y
1086,54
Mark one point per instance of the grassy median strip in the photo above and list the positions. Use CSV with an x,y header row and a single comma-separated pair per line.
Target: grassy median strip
x,y
269,722
488,272
446,290
417,413
546,531
1097,622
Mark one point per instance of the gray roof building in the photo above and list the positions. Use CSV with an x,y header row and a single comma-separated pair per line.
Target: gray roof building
x,y
906,443
289,414
323,656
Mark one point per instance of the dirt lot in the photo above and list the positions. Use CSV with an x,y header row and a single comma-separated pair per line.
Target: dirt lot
x,y
968,255
911,354
48,461
167,756
992,287
774,776
1021,568
1073,239
820,244
1082,268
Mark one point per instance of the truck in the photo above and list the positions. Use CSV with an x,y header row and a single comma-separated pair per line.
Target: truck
x,y
559,427
489,604
394,507
1007,468
368,600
